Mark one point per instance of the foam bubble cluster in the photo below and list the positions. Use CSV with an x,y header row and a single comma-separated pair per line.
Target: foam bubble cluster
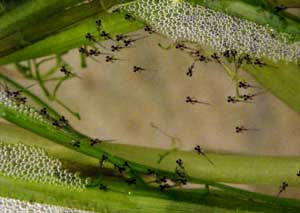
x,y
182,21
12,103
11,205
33,164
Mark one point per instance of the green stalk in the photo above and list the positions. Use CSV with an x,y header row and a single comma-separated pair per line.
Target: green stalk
x,y
35,20
229,168
121,198
187,199
72,37
28,13
31,95
40,80
40,102
44,27
59,102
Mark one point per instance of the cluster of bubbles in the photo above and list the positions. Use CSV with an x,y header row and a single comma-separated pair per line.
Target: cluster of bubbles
x,y
182,21
12,104
33,164
10,205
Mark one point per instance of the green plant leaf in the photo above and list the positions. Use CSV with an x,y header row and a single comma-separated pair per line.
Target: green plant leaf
x,y
282,80
72,37
229,168
122,197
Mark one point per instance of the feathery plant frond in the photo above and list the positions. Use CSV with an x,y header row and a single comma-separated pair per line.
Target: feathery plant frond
x,y
32,70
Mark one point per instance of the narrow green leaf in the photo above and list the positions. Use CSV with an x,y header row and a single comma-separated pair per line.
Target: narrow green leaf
x,y
229,168
121,197
282,80
72,37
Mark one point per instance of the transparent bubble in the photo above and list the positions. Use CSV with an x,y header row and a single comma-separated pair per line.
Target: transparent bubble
x,y
11,205
33,164
182,21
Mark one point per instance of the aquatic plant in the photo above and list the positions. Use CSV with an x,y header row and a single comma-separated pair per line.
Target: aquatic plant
x,y
266,39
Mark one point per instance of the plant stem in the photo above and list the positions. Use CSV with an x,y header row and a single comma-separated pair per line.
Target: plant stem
x,y
29,94
191,160
40,80
76,114
123,198
39,101
30,16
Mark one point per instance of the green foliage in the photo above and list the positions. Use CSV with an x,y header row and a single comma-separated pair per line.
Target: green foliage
x,y
117,198
39,28
121,198
6,5
72,37
283,80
